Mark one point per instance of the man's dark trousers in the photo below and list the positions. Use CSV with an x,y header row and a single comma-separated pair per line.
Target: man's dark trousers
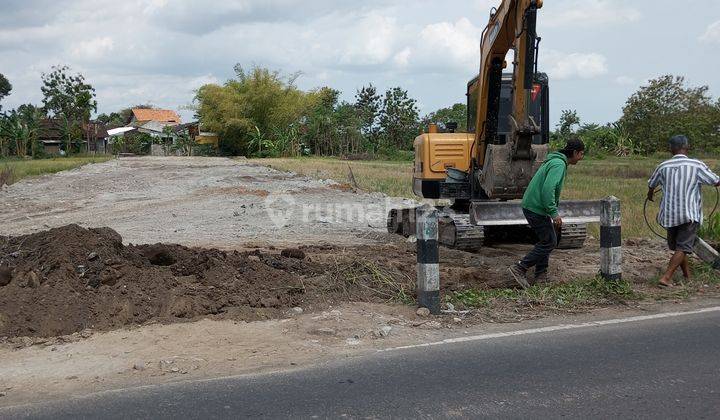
x,y
543,227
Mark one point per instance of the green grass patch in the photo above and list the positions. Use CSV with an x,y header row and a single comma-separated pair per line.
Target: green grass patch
x,y
710,230
575,294
13,170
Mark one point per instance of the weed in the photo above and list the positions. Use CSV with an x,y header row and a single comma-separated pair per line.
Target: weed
x,y
704,274
7,175
569,295
710,230
358,278
613,289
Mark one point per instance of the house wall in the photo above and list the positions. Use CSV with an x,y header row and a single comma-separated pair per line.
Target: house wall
x,y
206,139
101,146
51,149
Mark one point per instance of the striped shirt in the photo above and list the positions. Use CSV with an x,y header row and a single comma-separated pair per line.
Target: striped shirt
x,y
681,179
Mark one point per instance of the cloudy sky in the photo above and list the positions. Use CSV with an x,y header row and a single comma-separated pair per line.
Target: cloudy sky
x,y
597,52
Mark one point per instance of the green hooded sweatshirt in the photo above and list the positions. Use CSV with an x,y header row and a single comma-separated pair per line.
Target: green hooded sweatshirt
x,y
543,194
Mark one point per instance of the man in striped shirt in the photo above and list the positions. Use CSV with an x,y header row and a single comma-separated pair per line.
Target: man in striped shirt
x,y
681,206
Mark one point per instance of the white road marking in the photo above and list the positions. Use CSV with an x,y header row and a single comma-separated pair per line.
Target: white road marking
x,y
561,327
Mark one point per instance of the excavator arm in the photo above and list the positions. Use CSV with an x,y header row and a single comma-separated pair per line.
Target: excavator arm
x,y
493,162
504,170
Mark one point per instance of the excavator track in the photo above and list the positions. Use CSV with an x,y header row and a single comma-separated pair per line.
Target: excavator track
x,y
456,232
454,229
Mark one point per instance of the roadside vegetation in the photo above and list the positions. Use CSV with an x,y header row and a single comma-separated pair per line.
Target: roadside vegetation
x,y
583,294
358,278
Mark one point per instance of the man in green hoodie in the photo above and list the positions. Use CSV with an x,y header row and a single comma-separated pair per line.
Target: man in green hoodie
x,y
540,206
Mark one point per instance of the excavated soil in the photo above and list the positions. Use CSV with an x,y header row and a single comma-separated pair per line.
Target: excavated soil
x,y
68,279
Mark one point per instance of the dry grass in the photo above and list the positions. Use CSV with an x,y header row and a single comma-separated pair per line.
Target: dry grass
x,y
13,170
625,178
391,178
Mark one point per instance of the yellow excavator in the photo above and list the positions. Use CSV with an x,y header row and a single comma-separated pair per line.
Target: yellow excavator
x,y
507,141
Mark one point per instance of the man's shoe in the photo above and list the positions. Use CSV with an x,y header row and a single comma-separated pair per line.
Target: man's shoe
x,y
519,274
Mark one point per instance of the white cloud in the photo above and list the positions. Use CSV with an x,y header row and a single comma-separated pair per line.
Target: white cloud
x,y
402,58
563,66
371,41
625,81
94,48
712,33
457,44
588,13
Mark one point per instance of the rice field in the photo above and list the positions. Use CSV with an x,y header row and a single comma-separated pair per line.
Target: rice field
x,y
13,170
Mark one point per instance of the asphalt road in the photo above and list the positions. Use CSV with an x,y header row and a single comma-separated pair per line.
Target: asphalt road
x,y
660,368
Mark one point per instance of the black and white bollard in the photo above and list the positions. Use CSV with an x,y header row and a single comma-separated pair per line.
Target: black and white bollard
x,y
428,258
610,239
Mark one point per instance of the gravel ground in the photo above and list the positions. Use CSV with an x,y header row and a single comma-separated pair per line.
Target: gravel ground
x,y
197,201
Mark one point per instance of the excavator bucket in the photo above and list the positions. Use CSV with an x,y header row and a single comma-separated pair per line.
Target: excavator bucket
x,y
508,213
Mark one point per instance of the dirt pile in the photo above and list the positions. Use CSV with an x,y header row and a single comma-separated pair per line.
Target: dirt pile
x,y
67,279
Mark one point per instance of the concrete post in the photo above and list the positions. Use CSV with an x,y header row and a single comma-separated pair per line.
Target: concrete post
x,y
428,259
610,239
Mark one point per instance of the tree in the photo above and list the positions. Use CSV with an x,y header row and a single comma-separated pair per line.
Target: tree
x,y
568,120
258,103
20,127
367,104
68,98
320,130
399,119
456,113
5,87
665,107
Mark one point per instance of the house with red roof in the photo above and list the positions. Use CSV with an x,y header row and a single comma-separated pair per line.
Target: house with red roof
x,y
164,116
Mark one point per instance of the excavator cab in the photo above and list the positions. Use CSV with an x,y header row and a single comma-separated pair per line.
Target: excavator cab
x,y
442,158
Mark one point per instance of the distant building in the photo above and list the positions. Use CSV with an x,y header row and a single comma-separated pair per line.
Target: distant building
x,y
141,115
201,137
50,136
155,122
96,137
